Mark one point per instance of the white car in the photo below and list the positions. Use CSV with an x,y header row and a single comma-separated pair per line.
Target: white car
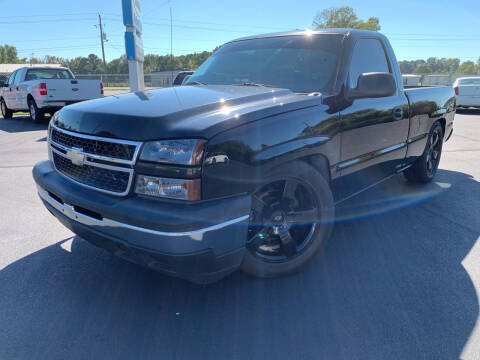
x,y
41,90
467,90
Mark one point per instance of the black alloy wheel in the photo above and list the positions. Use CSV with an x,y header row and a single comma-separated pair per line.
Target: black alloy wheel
x,y
291,218
425,167
284,219
434,150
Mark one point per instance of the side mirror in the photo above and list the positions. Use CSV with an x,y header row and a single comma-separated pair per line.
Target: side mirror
x,y
373,85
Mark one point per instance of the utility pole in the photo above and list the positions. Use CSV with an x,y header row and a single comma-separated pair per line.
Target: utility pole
x,y
102,39
171,43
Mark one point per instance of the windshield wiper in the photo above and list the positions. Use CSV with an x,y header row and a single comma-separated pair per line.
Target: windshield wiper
x,y
253,84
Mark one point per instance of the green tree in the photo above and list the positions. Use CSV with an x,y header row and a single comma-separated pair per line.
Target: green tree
x,y
343,17
8,55
423,69
467,67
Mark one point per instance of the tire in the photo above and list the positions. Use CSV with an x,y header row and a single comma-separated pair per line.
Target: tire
x,y
36,114
310,187
425,167
6,112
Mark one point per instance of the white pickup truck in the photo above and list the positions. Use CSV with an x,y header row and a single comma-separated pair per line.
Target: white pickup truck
x,y
41,90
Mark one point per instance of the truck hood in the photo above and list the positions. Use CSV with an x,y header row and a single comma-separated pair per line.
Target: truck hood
x,y
184,111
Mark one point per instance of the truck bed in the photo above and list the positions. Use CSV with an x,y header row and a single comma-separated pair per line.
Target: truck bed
x,y
69,89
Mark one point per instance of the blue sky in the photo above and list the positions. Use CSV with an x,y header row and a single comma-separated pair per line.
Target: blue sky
x,y
417,29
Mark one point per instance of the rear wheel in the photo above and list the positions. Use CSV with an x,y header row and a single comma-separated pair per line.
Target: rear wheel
x,y
6,112
425,167
291,218
36,114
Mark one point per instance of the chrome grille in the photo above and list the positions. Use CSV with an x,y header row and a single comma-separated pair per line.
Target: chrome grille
x,y
113,149
103,164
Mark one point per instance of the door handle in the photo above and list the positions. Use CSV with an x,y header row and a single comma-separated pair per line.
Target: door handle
x,y
398,113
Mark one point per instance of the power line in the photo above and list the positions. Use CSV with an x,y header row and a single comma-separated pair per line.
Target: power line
x,y
46,15
198,28
42,21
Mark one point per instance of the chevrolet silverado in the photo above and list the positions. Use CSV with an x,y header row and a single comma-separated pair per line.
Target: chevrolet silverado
x,y
242,166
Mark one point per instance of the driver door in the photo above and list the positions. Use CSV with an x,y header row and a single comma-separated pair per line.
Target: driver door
x,y
374,130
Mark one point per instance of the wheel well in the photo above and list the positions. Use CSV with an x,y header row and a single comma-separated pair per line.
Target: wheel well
x,y
30,97
443,122
321,163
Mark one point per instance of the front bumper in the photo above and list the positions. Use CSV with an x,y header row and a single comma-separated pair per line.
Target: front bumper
x,y
468,101
200,242
46,104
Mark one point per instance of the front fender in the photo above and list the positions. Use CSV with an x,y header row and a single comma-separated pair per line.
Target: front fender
x,y
251,151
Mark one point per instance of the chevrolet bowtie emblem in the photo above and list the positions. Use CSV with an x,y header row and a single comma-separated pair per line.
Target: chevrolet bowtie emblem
x,y
76,156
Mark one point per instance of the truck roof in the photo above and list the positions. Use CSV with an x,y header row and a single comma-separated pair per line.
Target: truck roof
x,y
338,31
45,67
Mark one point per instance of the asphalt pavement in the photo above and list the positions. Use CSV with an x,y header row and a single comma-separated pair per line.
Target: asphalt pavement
x,y
399,279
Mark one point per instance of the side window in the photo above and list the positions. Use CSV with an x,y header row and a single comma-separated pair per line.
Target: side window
x,y
11,78
368,56
17,77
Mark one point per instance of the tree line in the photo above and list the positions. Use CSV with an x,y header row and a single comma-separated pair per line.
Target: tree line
x,y
92,64
434,65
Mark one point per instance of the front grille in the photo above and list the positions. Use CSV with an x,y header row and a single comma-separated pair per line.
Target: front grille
x,y
93,146
98,177
101,163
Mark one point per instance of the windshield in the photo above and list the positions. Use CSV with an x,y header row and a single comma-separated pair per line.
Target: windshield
x,y
36,74
469,81
300,63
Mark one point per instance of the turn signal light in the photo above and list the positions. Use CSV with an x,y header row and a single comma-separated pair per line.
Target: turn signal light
x,y
168,188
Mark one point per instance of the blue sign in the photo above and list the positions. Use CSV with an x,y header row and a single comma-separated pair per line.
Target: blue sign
x,y
132,14
134,46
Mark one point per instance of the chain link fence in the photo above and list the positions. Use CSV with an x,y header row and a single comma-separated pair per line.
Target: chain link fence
x,y
153,80
432,79
3,78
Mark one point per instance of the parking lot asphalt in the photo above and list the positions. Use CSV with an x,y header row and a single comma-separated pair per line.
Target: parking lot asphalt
x,y
399,279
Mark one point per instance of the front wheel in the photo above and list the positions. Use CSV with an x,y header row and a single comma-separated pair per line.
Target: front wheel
x,y
6,112
291,218
425,167
35,113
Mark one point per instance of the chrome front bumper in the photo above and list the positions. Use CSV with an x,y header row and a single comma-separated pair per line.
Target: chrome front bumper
x,y
74,214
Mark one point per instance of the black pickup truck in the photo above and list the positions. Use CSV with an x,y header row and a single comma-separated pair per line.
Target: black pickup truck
x,y
243,166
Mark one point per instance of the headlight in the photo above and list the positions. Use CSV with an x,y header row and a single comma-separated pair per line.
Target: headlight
x,y
168,188
181,152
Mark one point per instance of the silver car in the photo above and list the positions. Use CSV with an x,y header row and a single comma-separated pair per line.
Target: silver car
x,y
467,90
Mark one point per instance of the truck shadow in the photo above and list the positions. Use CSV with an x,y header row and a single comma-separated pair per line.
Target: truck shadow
x,y
390,284
20,123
